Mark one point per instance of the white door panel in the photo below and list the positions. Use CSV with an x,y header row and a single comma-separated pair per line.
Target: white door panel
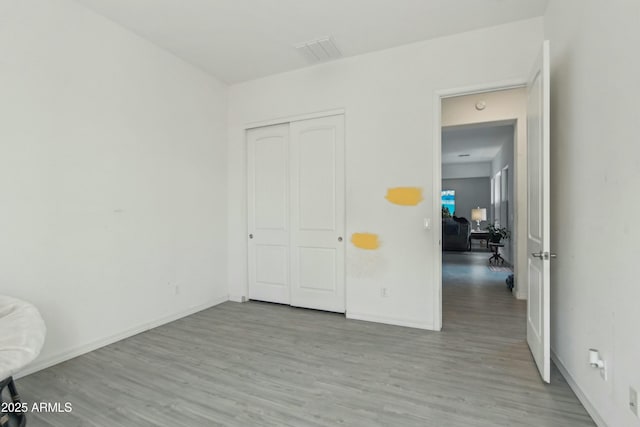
x,y
538,227
271,264
268,213
271,181
316,177
317,214
317,269
533,302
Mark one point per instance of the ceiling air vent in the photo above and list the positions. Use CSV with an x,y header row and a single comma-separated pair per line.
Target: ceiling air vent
x,y
319,50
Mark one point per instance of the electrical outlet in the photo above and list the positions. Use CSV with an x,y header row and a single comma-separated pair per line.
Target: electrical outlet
x,y
633,400
384,292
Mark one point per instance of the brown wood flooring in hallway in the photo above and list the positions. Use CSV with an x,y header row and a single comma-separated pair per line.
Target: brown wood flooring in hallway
x,y
258,364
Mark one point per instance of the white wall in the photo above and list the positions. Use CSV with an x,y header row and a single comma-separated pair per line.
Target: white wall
x,y
501,106
112,177
466,170
389,98
595,173
505,106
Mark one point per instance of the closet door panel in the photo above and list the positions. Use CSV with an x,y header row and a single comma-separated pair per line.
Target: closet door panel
x,y
317,213
268,213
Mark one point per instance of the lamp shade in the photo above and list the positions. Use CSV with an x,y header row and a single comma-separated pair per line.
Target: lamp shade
x,y
478,214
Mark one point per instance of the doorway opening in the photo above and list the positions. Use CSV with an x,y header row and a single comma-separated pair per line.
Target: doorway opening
x,y
482,183
531,214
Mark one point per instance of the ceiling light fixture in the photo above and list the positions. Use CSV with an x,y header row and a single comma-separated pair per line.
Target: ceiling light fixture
x,y
319,50
464,155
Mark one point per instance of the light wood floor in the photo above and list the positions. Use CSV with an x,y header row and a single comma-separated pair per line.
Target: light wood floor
x,y
258,364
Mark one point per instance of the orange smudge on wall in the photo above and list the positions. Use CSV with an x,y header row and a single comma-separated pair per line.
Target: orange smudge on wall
x,y
405,196
365,240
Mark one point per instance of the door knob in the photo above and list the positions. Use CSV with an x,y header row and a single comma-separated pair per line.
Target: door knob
x,y
339,239
251,236
544,255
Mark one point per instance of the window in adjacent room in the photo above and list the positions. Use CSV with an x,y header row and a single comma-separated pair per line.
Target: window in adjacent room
x,y
449,201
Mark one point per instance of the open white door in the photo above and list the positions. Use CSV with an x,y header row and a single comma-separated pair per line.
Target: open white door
x,y
538,230
268,213
318,213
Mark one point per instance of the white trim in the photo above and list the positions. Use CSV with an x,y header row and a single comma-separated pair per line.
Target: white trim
x,y
296,118
436,227
581,395
390,320
238,298
515,213
439,95
482,88
94,345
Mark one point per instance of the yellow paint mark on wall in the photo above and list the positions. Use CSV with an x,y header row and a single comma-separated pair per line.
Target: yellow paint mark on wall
x,y
405,196
365,241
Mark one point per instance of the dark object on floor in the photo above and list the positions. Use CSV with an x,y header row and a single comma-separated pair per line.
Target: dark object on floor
x,y
510,282
11,418
455,234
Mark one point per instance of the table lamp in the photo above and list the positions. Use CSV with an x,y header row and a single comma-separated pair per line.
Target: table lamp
x,y
478,214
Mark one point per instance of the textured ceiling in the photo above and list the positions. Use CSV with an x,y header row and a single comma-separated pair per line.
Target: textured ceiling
x,y
239,40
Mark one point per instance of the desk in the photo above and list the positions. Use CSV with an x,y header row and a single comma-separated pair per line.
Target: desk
x,y
479,235
495,247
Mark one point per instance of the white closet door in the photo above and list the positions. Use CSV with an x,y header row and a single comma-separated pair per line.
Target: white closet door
x,y
268,213
317,213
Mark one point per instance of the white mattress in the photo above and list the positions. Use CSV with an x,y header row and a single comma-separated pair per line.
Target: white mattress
x,y
22,333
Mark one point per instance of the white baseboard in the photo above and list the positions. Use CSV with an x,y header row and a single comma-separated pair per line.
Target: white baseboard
x,y
237,298
582,397
94,345
390,320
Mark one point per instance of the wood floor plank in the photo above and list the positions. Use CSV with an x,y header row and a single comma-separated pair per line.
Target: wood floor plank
x,y
270,365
